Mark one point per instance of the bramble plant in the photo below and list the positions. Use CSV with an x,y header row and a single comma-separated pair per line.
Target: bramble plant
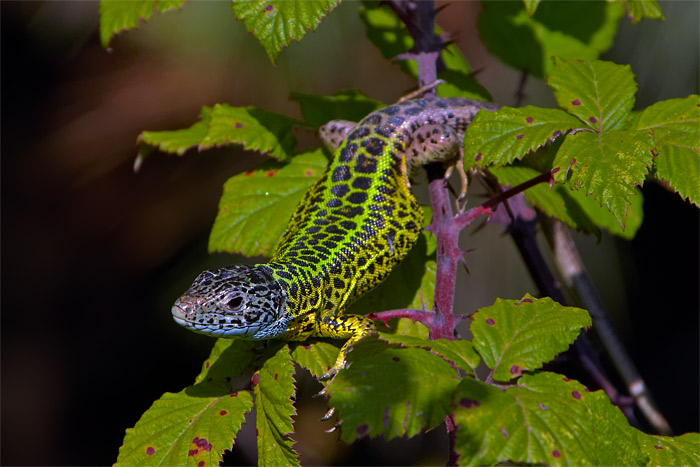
x,y
580,166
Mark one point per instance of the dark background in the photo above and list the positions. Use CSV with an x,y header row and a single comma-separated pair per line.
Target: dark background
x,y
93,255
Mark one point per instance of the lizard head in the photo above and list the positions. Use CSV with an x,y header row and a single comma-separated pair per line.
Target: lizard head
x,y
238,301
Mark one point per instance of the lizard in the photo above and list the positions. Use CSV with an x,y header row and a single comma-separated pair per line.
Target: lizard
x,y
351,228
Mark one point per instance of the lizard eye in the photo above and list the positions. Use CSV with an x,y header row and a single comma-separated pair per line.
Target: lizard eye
x,y
234,302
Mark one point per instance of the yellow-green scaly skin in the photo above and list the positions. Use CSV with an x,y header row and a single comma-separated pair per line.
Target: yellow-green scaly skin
x,y
348,232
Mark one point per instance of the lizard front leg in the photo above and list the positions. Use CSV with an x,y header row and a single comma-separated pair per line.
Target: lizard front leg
x,y
350,327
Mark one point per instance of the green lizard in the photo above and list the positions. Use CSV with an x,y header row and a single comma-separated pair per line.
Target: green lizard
x,y
348,232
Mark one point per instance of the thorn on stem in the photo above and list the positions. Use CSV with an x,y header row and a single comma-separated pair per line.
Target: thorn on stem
x,y
328,414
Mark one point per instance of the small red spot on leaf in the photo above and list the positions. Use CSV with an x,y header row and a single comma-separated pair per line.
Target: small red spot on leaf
x,y
309,172
202,443
576,394
529,119
192,452
468,403
207,365
270,173
234,394
592,119
306,346
201,464
249,173
238,125
658,447
556,454
222,413
362,430
566,380
269,8
525,300
556,134
515,370
254,380
150,450
478,157
490,321
520,136
504,432
276,376
396,359
576,102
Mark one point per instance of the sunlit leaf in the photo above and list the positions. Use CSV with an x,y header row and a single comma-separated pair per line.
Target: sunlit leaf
x,y
513,336
119,15
274,407
508,134
544,419
276,23
676,128
599,93
384,391
256,205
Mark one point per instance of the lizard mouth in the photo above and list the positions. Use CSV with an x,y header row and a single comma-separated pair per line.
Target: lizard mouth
x,y
180,315
212,326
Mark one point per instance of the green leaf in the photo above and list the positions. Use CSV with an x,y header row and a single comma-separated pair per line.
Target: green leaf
x,y
276,23
317,356
120,15
531,6
459,352
608,166
508,134
256,129
666,450
388,33
197,424
349,105
228,358
545,419
458,76
513,336
384,391
180,429
274,406
176,141
600,93
564,29
256,205
638,9
676,123
574,208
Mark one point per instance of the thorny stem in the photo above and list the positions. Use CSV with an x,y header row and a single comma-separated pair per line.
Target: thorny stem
x,y
418,17
453,456
520,224
574,272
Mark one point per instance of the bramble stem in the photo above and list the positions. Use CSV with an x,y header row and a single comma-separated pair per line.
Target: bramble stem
x,y
575,275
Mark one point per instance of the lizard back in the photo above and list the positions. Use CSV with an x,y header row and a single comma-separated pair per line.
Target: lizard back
x,y
360,219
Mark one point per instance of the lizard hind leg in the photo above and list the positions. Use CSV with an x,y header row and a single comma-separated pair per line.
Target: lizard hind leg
x,y
437,143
